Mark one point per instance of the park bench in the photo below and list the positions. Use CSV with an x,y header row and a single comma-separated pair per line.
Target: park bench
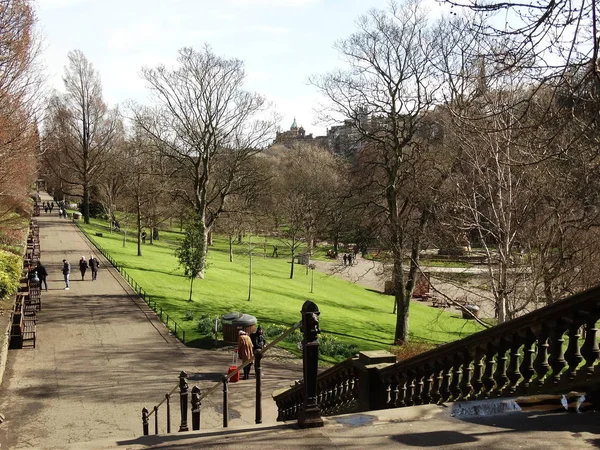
x,y
24,325
35,295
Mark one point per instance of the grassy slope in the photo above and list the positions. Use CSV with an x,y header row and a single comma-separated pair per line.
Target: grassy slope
x,y
348,311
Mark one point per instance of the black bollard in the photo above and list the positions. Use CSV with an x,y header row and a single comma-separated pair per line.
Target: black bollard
x,y
183,400
145,421
310,414
225,407
195,408
168,399
258,371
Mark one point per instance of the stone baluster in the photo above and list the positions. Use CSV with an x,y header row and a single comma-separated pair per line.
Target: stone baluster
x,y
418,390
478,366
573,354
401,395
514,374
556,359
540,364
490,362
500,372
446,378
410,389
590,350
427,385
466,387
526,368
456,374
436,384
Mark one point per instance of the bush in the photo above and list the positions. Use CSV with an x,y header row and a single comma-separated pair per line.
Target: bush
x,y
273,330
189,315
10,272
206,325
410,349
330,346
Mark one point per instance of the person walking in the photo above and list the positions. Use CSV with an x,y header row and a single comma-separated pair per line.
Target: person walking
x,y
258,339
345,258
144,236
245,352
66,270
83,267
94,264
42,275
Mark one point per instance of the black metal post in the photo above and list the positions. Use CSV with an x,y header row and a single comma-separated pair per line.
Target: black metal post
x,y
156,420
168,398
145,421
310,414
225,409
195,408
183,401
258,374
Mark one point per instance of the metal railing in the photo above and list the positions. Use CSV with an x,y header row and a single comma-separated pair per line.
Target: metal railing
x,y
197,397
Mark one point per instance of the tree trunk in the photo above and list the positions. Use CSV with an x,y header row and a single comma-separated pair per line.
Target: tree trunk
x,y
86,203
155,233
209,240
231,248
139,226
204,249
292,266
191,288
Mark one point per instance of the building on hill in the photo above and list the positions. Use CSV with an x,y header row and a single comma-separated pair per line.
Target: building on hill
x,y
294,135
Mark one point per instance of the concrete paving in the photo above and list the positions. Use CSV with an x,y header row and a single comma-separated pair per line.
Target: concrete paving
x,y
419,427
102,355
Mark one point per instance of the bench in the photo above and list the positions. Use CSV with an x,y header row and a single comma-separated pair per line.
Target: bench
x,y
28,333
23,328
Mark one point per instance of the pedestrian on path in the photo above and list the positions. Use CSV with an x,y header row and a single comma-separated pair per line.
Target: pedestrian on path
x,y
66,272
245,352
83,267
94,264
42,274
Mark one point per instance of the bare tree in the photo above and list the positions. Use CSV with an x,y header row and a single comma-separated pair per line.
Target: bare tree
x,y
80,130
202,111
20,88
388,91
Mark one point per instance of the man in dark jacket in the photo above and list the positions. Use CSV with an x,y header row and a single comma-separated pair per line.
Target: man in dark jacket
x,y
66,272
42,274
258,339
94,264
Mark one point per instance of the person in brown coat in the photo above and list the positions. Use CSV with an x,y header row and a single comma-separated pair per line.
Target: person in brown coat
x,y
245,351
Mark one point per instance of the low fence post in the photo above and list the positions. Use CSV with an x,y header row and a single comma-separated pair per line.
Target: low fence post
x,y
156,420
195,408
168,399
145,421
310,413
225,407
183,401
258,372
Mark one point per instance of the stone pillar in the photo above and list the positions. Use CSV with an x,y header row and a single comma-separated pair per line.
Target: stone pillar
x,y
372,395
310,414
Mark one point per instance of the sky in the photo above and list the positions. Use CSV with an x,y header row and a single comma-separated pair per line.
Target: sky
x,y
282,43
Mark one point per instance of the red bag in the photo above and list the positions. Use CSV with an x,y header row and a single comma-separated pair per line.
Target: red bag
x,y
236,377
232,368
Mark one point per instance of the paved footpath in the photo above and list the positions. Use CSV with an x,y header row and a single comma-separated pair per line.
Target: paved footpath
x,y
102,355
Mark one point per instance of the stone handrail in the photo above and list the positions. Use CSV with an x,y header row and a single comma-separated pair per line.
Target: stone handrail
x,y
337,393
525,356
551,350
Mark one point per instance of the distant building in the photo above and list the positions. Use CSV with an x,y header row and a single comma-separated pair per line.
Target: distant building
x,y
292,136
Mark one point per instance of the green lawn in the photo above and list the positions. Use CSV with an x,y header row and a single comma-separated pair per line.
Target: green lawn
x,y
350,312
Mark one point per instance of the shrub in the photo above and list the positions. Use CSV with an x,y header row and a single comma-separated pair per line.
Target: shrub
x,y
189,315
10,272
410,349
206,325
330,346
273,330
